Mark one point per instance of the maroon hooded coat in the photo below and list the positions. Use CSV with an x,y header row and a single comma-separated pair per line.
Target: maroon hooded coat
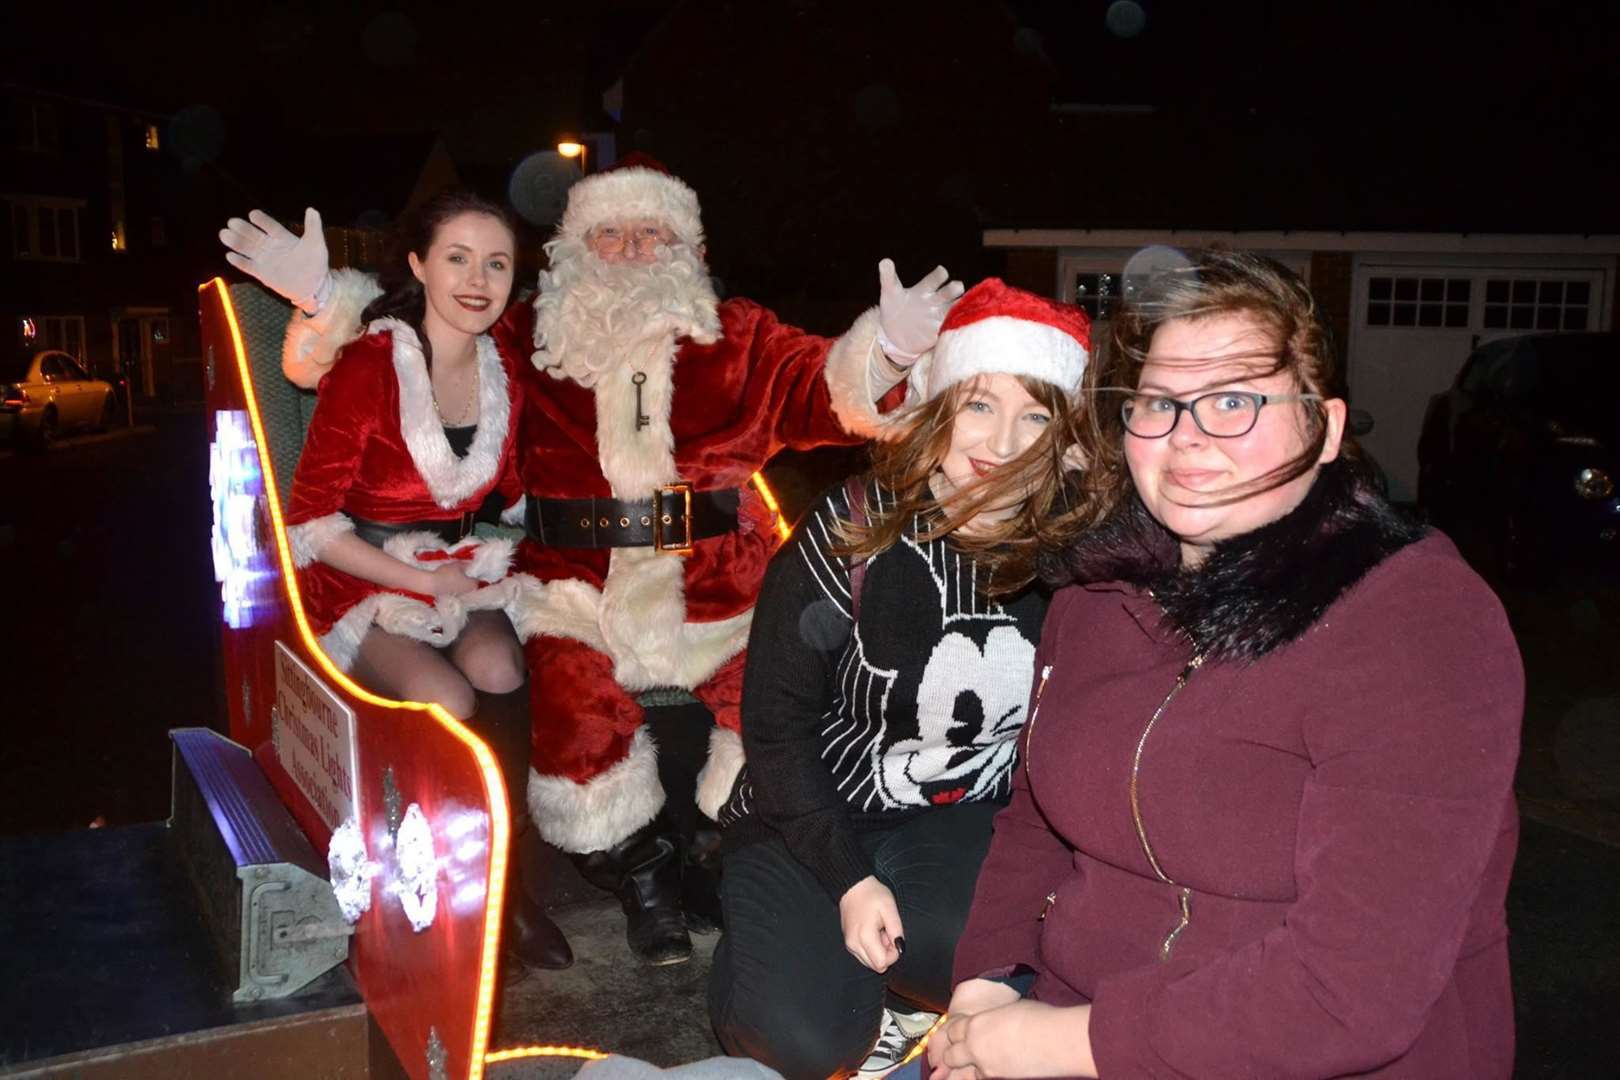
x,y
1294,864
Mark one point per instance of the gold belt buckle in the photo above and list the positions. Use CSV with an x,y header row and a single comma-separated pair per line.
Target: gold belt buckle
x,y
660,518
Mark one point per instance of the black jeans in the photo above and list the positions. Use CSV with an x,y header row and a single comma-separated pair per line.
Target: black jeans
x,y
783,989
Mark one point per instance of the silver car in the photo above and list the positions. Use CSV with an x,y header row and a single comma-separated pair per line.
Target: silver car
x,y
47,393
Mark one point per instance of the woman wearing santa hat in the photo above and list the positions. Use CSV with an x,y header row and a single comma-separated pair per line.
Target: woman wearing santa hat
x,y
411,435
890,662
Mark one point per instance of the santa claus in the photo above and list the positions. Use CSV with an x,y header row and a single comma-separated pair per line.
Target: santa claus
x,y
649,407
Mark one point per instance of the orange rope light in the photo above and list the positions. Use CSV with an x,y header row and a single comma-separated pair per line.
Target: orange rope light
x,y
495,1057
783,529
494,788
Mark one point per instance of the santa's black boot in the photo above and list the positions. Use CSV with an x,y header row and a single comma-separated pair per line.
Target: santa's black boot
x,y
644,872
682,732
700,879
530,938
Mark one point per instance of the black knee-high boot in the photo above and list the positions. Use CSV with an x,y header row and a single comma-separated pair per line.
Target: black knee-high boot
x,y
644,872
528,933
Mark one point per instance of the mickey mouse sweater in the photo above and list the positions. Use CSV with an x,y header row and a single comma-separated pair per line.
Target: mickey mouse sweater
x,y
854,725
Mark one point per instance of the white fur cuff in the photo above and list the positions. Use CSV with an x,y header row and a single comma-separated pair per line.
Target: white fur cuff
x,y
850,374
597,814
308,539
719,772
312,342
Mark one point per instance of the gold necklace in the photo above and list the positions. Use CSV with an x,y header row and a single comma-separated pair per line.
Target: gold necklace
x,y
466,407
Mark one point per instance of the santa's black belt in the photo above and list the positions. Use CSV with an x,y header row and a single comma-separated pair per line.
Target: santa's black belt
x,y
672,520
377,533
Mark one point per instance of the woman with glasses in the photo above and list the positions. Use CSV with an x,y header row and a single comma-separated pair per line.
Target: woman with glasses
x,y
1263,824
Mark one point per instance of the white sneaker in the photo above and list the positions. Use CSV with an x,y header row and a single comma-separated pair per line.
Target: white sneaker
x,y
891,1049
914,1025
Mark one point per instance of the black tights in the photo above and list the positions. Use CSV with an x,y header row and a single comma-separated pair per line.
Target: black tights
x,y
486,657
783,989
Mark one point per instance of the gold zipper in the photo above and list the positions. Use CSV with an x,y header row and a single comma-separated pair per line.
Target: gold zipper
x,y
1034,711
1184,897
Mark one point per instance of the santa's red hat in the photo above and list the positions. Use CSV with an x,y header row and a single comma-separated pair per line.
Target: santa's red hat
x,y
639,188
995,328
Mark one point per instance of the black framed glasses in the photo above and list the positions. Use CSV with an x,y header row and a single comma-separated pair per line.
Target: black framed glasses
x,y
1221,414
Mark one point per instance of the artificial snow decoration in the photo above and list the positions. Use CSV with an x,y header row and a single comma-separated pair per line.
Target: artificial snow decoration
x,y
350,870
418,884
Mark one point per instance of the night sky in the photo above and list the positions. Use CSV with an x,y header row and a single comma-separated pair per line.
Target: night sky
x,y
823,134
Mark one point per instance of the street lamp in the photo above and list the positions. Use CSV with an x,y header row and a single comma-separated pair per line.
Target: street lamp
x,y
569,148
588,147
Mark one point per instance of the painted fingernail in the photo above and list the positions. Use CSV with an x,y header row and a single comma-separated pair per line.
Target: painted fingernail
x,y
900,944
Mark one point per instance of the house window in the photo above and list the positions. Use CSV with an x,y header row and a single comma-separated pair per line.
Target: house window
x,y
1418,301
43,228
62,332
34,126
1530,304
1098,293
152,137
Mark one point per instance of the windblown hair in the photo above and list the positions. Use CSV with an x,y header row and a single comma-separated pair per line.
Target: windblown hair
x,y
1055,504
1210,285
403,297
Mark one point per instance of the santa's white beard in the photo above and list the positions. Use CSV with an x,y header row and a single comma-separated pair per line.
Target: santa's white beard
x,y
592,315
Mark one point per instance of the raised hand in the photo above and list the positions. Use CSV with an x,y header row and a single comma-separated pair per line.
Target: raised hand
x,y
293,266
909,318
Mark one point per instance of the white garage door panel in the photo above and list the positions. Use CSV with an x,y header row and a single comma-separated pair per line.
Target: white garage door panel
x,y
1412,326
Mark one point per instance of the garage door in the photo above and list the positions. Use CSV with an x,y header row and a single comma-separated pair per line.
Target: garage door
x,y
1413,326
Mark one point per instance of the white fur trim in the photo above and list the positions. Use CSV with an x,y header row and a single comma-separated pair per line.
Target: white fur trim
x,y
719,773
1006,345
516,513
637,460
434,624
638,619
850,373
310,348
449,478
491,558
621,195
308,539
597,814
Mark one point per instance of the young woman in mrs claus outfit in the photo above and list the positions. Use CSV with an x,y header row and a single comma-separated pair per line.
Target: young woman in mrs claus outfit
x,y
412,434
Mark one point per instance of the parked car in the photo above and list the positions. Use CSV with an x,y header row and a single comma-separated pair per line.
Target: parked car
x,y
1520,460
46,393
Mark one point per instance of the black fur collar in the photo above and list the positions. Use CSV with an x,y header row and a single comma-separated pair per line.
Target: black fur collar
x,y
1256,592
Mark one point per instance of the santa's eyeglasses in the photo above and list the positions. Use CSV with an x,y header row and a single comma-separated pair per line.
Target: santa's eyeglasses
x,y
614,238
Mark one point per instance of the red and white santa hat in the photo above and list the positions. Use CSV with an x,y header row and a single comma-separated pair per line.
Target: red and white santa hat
x,y
638,187
996,328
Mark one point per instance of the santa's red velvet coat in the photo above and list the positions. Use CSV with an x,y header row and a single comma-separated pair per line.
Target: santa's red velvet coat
x,y
601,625
376,450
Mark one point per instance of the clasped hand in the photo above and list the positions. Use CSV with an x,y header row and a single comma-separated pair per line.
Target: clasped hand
x,y
991,1032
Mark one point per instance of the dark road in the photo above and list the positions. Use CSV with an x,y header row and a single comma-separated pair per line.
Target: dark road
x,y
110,638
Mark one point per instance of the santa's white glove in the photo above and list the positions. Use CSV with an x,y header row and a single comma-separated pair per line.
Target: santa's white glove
x,y
908,319
293,266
